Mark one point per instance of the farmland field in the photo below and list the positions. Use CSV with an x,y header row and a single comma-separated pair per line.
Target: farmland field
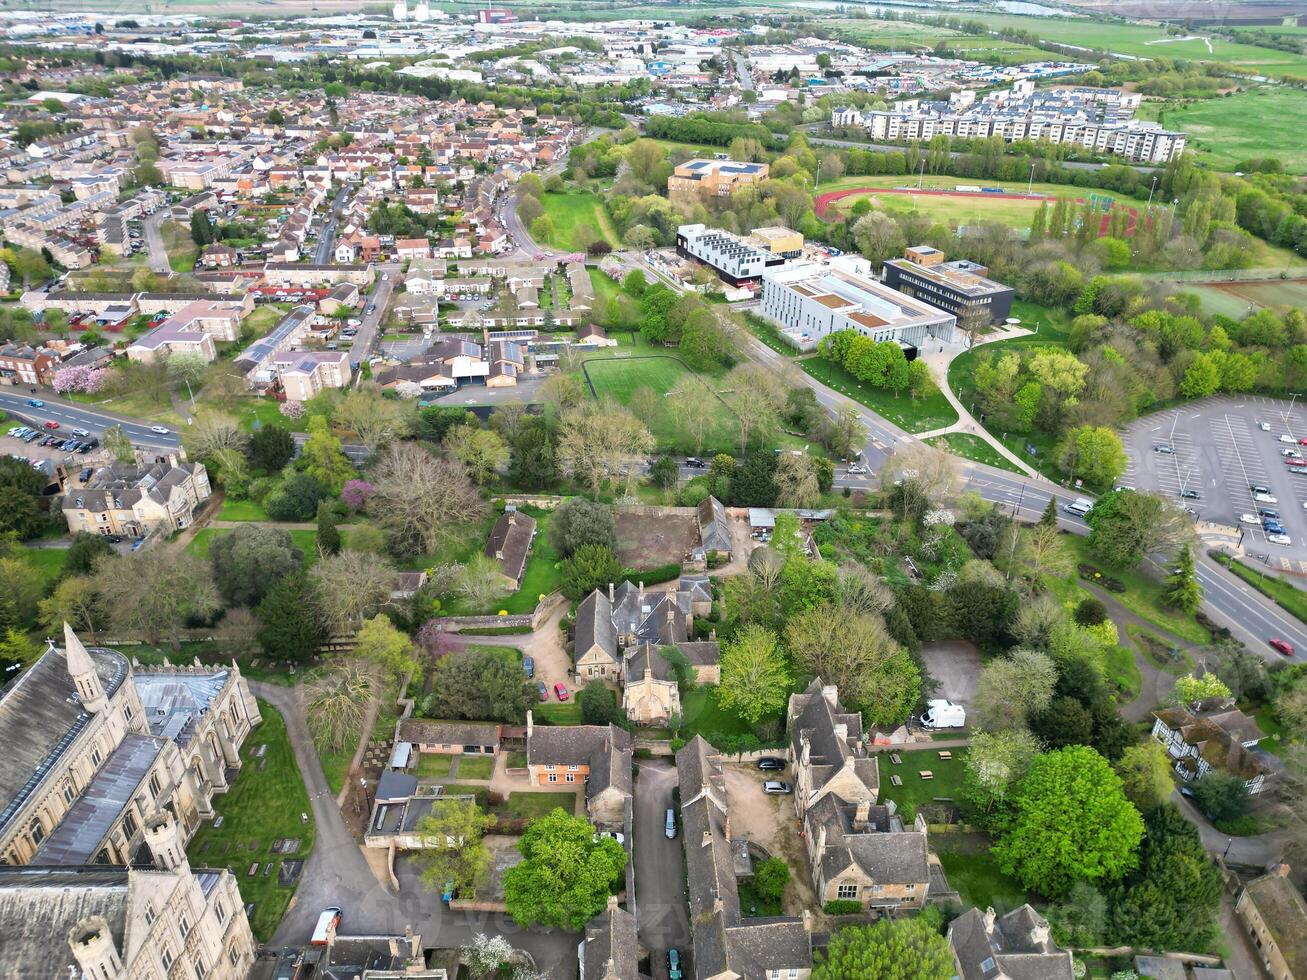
x,y
1265,122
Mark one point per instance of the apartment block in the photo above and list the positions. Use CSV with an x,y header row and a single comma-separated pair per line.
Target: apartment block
x,y
713,177
734,260
960,287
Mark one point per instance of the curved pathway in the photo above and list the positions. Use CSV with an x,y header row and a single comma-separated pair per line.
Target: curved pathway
x,y
1155,684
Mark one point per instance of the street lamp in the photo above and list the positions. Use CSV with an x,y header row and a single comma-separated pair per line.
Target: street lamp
x,y
1030,184
1150,191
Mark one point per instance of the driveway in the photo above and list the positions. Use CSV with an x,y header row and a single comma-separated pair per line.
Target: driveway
x,y
661,916
546,646
337,873
771,822
955,665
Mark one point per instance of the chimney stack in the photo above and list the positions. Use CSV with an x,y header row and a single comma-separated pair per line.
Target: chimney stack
x,y
611,596
529,725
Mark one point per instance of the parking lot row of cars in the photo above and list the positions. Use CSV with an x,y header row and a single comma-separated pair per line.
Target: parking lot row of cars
x,y
81,441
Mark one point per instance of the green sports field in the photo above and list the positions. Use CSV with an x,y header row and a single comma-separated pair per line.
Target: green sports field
x,y
1264,122
951,210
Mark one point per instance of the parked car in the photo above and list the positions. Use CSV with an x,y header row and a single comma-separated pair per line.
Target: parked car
x,y
669,828
1252,519
1258,488
857,469
81,432
1290,454
1289,439
1295,461
770,763
542,690
1190,495
1264,426
674,964
328,922
561,690
777,788
529,665
85,475
695,463
1268,512
1266,498
1281,646
1279,539
1164,449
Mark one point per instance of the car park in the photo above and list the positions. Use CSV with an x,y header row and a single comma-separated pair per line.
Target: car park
x,y
1279,539
1281,646
1252,519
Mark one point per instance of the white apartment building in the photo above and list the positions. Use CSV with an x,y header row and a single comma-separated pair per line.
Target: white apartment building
x,y
810,301
733,259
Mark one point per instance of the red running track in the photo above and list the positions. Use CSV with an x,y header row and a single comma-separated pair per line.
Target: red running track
x,y
822,203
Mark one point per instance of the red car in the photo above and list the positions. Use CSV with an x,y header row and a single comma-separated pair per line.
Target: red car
x,y
1295,462
561,690
1282,646
51,425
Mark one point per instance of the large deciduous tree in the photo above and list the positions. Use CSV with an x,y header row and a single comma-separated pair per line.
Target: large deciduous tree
x,y
566,874
249,560
384,648
1145,771
598,440
1013,689
153,593
452,847
579,522
1070,821
336,703
352,586
420,500
1092,453
755,679
482,451
996,762
892,949
323,457
481,685
1127,525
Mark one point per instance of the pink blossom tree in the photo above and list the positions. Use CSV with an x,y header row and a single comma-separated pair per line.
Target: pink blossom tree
x,y
355,493
83,379
292,409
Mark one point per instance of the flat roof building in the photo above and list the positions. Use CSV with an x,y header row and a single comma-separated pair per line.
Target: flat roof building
x,y
959,287
810,301
734,260
713,177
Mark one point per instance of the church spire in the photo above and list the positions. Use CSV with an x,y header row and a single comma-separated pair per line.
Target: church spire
x,y
81,668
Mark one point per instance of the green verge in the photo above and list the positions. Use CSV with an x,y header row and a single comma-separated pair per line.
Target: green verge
x,y
1289,598
920,415
974,448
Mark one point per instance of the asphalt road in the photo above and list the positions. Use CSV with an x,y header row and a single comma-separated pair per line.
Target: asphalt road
x,y
661,917
327,240
365,341
154,242
71,416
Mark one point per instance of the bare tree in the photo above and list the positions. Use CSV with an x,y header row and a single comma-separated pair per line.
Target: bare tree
x,y
212,433
481,581
1013,689
1044,551
796,481
923,470
153,592
598,440
861,590
335,703
353,585
691,410
756,398
422,500
374,419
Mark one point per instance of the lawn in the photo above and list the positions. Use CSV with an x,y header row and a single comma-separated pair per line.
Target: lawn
x,y
974,873
1123,673
542,576
620,378
181,249
572,212
530,806
264,805
557,713
475,767
432,764
912,415
46,563
952,211
1264,122
242,510
1284,594
1275,731
703,715
973,447
1142,596
306,541
605,287
915,791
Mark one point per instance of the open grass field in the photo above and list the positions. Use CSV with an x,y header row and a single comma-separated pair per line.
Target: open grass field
x,y
573,211
262,807
952,210
620,378
181,249
974,448
1264,122
242,510
920,415
974,873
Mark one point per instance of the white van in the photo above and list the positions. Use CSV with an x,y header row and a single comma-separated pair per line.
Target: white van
x,y
1080,506
325,930
943,714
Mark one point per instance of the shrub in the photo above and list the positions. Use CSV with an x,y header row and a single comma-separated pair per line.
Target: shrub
x,y
1091,611
842,906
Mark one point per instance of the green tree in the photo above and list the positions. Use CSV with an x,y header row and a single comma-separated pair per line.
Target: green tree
x,y
598,704
1126,525
591,567
84,551
271,447
664,472
579,522
481,685
1183,590
249,560
1190,688
323,458
328,534
1070,822
755,680
386,649
1222,796
1171,901
1092,453
117,443
296,498
202,232
566,873
532,465
1145,772
770,878
19,512
996,762
1201,378
291,625
892,949
452,847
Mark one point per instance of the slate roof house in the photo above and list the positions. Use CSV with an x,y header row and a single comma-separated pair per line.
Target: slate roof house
x,y
1276,918
448,737
826,749
714,529
609,950
510,545
606,624
1017,946
137,501
597,756
727,945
